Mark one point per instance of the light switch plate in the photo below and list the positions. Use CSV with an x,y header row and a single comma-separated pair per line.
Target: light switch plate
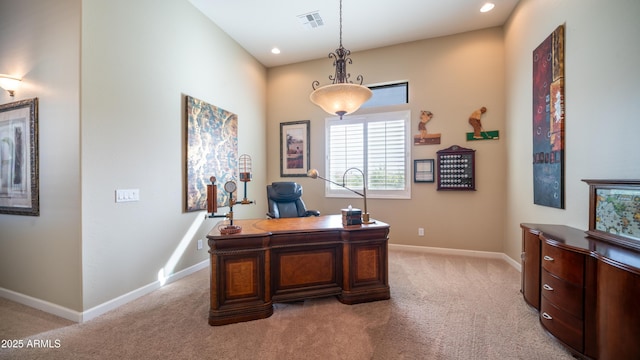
x,y
127,195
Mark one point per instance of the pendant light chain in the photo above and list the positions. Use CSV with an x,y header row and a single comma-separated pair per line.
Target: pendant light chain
x,y
340,23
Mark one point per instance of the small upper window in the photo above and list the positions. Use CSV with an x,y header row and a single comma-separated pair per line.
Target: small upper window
x,y
389,94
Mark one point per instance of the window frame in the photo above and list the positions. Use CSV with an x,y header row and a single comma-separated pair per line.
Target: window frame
x,y
404,115
377,88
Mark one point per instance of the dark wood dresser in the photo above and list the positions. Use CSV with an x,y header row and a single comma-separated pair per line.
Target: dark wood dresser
x,y
587,291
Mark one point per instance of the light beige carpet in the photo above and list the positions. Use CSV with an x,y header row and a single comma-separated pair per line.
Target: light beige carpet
x,y
441,307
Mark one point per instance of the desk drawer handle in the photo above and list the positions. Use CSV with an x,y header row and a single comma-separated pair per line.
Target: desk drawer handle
x,y
546,316
548,258
547,287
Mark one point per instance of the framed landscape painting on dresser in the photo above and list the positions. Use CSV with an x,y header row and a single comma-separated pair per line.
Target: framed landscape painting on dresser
x,y
614,211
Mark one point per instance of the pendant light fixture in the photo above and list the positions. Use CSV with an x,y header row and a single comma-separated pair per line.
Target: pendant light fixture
x,y
342,97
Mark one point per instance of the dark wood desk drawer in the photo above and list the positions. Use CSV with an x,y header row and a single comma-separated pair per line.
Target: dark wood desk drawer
x,y
565,295
565,264
562,325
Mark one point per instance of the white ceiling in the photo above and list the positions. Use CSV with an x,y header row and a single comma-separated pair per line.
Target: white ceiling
x,y
260,25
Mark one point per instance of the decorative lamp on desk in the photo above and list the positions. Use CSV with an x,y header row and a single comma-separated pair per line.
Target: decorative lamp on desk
x,y
313,173
230,187
245,175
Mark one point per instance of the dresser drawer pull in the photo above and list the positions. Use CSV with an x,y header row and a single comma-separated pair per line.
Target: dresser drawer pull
x,y
548,258
547,287
546,316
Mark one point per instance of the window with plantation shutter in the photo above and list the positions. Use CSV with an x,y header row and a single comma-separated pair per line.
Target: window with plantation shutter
x,y
376,144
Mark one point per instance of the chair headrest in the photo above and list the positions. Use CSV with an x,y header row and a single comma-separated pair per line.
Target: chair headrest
x,y
284,191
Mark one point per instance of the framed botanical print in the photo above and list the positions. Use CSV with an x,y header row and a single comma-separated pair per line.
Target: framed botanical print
x,y
294,148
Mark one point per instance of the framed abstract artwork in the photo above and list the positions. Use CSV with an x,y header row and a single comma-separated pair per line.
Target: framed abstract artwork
x,y
19,180
549,121
294,148
211,150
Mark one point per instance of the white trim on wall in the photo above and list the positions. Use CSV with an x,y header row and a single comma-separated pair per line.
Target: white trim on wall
x,y
39,304
144,290
471,253
103,308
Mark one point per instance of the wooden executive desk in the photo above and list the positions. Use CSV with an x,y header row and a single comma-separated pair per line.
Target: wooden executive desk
x,y
278,260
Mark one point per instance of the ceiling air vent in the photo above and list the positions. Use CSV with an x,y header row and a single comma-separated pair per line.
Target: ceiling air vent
x,y
311,20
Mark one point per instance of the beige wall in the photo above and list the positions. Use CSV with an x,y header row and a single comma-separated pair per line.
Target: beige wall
x,y
135,76
450,76
111,77
40,257
602,103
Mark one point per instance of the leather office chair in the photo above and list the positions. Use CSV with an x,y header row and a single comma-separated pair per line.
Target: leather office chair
x,y
285,201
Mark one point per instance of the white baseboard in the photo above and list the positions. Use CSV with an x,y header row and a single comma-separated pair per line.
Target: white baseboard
x,y
42,305
103,308
445,251
96,311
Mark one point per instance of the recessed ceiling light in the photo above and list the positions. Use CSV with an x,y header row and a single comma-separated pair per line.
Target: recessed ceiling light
x,y
487,7
275,50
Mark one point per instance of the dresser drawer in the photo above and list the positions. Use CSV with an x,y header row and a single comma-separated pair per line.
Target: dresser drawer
x,y
563,294
562,325
565,264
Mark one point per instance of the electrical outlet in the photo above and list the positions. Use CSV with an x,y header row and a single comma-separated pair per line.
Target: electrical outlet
x,y
199,244
420,231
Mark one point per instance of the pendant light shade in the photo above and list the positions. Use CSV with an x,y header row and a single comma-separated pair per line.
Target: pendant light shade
x,y
342,97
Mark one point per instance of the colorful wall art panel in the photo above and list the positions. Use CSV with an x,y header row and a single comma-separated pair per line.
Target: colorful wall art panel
x,y
549,121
